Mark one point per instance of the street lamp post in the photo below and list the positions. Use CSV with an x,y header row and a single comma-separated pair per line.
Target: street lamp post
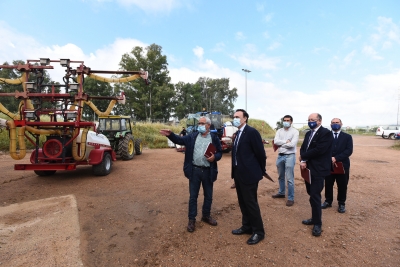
x,y
245,74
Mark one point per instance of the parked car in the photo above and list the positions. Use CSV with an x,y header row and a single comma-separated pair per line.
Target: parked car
x,y
379,131
387,131
390,132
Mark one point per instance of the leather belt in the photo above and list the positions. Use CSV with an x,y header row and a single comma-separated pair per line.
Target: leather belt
x,y
200,167
283,154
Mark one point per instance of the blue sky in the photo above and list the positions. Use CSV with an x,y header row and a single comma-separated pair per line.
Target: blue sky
x,y
338,58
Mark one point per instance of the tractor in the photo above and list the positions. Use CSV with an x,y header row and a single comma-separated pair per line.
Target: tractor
x,y
118,131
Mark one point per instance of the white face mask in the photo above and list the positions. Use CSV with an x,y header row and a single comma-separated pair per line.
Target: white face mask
x,y
286,124
201,128
236,122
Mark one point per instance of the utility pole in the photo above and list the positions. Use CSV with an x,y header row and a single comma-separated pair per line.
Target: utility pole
x,y
245,73
398,107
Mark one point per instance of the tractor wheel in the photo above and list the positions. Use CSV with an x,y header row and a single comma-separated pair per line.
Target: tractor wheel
x,y
138,147
45,173
126,147
104,167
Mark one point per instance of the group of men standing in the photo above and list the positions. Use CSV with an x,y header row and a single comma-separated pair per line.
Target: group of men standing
x,y
248,168
320,152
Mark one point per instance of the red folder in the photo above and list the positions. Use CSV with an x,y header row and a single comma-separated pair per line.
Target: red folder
x,y
211,149
306,174
338,168
274,146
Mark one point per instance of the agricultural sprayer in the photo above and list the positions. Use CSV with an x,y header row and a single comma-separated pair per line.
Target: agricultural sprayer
x,y
55,111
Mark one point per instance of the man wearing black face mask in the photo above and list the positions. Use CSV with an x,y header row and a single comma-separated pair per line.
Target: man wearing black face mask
x,y
341,151
315,154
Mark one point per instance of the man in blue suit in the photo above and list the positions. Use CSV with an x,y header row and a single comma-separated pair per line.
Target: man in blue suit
x,y
248,167
341,151
315,154
200,171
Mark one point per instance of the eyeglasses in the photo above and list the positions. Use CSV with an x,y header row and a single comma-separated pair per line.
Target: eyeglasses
x,y
312,120
201,123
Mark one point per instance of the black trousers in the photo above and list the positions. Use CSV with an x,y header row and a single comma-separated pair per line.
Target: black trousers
x,y
342,181
248,203
314,191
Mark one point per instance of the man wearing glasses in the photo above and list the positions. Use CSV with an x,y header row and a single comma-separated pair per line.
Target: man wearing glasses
x,y
199,169
315,154
286,139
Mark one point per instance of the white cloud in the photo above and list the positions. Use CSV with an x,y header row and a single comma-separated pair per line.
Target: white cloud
x,y
218,47
387,31
240,36
154,5
198,51
268,17
260,7
260,62
266,35
274,46
349,57
369,51
349,39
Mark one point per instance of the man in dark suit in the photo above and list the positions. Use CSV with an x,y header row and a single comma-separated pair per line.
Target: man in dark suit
x,y
248,167
315,154
341,151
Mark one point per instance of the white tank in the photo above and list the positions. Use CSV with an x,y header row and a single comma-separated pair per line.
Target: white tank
x,y
93,139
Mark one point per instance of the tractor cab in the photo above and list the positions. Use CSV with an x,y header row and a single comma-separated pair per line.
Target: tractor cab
x,y
118,130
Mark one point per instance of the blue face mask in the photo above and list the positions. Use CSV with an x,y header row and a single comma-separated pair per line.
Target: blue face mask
x,y
236,122
286,124
201,128
312,124
335,127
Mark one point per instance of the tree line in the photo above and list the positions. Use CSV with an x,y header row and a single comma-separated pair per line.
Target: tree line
x,y
159,100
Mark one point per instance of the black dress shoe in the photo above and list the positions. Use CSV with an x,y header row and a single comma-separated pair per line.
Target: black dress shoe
x,y
325,205
341,209
278,196
254,239
316,231
241,231
307,222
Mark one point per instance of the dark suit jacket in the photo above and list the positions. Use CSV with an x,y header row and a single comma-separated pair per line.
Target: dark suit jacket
x,y
250,156
189,141
319,153
342,149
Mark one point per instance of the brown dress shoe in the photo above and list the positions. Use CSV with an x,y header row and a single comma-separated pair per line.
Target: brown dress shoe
x,y
191,225
289,203
209,220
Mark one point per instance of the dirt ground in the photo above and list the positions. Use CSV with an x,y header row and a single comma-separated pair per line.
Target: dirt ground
x,y
137,215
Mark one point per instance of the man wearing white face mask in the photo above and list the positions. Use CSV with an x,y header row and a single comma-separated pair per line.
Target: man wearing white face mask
x,y
248,168
286,139
200,170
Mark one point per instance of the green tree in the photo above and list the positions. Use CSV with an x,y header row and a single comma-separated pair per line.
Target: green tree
x,y
188,99
279,124
216,95
154,101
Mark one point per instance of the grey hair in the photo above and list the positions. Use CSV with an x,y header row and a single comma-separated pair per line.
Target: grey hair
x,y
208,121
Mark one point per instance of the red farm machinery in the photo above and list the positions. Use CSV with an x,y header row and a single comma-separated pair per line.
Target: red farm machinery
x,y
70,141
